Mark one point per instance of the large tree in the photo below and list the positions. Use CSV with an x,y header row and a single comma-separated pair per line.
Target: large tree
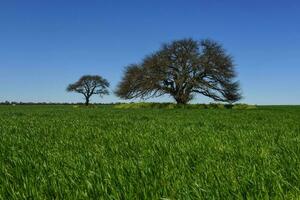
x,y
89,85
182,69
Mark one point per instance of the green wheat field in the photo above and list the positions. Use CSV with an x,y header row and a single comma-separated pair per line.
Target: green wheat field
x,y
67,152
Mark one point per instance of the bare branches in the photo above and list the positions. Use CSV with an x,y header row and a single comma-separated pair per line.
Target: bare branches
x,y
180,69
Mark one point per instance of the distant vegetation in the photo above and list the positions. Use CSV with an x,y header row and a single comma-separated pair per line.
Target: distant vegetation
x,y
50,103
133,105
187,106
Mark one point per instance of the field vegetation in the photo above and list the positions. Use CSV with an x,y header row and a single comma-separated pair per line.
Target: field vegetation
x,y
66,152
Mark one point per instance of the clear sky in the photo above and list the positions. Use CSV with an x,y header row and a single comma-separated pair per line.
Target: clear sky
x,y
47,44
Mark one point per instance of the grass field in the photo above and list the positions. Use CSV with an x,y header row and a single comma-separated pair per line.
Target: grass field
x,y
62,152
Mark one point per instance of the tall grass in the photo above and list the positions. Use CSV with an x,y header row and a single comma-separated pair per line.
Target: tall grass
x,y
61,152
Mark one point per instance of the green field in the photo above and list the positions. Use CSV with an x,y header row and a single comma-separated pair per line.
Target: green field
x,y
62,152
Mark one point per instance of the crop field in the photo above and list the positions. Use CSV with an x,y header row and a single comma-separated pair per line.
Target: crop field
x,y
64,152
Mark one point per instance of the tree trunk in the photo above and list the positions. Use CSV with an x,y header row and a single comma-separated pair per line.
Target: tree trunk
x,y
182,97
87,101
181,100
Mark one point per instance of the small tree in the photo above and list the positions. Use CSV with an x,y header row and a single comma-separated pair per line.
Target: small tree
x,y
181,69
89,85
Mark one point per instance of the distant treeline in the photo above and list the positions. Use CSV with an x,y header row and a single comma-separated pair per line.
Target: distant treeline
x,y
186,106
133,105
51,103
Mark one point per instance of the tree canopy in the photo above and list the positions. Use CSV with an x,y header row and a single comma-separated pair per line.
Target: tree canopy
x,y
182,69
89,85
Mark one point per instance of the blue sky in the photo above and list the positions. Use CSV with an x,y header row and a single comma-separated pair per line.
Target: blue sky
x,y
47,44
